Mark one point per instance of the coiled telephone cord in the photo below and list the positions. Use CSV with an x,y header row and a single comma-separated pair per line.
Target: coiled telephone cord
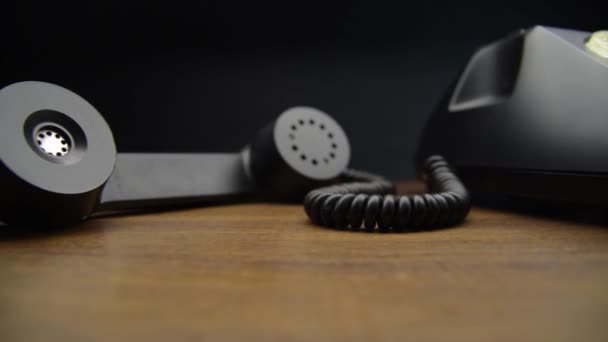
x,y
367,200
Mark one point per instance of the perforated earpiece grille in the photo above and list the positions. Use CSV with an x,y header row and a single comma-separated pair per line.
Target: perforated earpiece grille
x,y
52,141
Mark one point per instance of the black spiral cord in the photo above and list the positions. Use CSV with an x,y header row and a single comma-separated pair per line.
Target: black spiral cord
x,y
369,199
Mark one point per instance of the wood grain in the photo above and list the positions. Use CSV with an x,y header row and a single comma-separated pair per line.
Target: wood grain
x,y
262,272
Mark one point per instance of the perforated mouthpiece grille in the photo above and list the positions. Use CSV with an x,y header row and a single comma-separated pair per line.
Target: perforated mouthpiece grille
x,y
312,143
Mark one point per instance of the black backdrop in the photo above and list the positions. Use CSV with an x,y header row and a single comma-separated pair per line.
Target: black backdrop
x,y
187,77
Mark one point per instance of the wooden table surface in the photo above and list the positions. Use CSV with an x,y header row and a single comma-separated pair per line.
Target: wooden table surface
x,y
262,272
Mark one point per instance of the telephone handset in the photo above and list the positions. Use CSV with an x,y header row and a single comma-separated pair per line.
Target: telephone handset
x,y
59,166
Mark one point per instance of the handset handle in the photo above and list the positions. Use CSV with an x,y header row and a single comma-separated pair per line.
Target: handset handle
x,y
144,180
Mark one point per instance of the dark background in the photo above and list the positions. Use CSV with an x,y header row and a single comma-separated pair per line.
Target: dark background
x,y
171,76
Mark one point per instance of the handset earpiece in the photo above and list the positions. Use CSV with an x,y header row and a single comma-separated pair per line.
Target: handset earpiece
x,y
57,153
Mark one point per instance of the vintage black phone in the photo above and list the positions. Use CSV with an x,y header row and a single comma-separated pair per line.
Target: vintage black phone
x,y
59,166
528,116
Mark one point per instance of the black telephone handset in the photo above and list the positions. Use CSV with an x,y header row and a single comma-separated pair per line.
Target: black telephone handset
x,y
59,166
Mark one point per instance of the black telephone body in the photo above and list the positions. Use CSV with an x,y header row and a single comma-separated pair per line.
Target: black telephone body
x,y
528,116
